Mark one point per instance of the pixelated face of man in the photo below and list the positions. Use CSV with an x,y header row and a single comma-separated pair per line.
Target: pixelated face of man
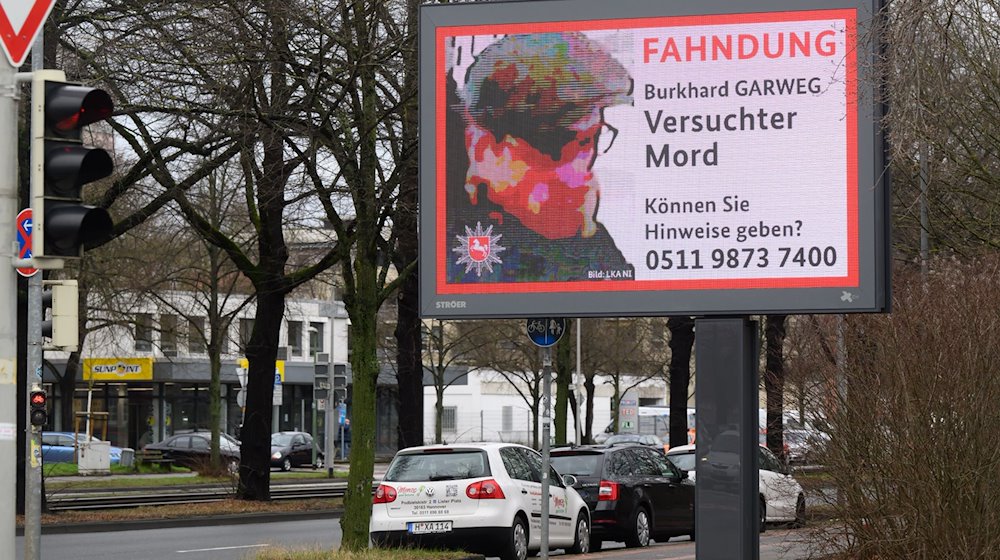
x,y
553,196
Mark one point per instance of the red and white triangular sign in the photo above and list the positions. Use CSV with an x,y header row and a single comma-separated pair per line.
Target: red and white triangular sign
x,y
20,22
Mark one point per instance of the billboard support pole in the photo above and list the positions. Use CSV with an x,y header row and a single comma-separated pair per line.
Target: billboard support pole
x,y
727,510
546,455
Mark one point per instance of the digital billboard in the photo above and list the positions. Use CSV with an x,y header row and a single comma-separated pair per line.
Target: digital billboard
x,y
586,158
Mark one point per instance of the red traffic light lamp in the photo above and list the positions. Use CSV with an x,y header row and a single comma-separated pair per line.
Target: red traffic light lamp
x,y
39,408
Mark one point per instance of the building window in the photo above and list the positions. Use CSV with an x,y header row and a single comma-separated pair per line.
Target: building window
x,y
507,419
315,338
168,334
143,332
246,330
295,337
196,335
449,420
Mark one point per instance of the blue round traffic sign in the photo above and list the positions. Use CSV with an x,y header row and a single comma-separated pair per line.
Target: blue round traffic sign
x,y
545,331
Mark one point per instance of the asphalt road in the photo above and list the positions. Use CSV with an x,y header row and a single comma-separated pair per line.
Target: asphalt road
x,y
237,542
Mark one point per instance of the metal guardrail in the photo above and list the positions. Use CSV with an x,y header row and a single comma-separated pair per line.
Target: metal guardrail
x,y
64,500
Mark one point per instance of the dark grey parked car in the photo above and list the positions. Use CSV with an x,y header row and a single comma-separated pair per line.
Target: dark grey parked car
x,y
294,449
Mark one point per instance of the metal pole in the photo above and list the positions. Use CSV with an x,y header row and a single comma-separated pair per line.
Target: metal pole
x,y
546,422
727,508
576,387
33,447
329,432
315,435
8,301
342,442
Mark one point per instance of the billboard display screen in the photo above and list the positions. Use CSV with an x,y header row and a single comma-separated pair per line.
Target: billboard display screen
x,y
587,158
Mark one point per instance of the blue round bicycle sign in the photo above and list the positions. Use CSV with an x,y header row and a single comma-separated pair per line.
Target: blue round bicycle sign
x,y
545,331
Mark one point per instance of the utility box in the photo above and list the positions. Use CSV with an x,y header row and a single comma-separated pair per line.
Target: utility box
x,y
94,458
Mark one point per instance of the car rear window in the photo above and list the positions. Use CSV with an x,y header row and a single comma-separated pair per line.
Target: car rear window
x,y
430,466
578,465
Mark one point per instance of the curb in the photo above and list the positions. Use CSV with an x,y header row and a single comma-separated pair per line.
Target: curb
x,y
141,524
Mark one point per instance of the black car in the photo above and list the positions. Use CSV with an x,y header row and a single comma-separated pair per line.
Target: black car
x,y
634,493
294,449
193,450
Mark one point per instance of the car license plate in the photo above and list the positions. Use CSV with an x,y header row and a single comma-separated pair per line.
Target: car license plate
x,y
424,527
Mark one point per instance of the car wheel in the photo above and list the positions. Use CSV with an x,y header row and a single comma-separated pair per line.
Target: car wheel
x,y
581,544
286,465
763,515
319,462
639,535
233,466
800,512
516,547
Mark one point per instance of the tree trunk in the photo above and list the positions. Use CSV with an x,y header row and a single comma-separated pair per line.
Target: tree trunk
x,y
214,408
438,412
409,368
681,344
364,362
588,428
255,438
774,382
362,297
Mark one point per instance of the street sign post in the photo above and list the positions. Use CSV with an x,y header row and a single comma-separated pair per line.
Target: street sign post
x,y
24,225
545,332
20,22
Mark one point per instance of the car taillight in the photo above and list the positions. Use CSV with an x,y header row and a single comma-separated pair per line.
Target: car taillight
x,y
384,494
485,490
608,491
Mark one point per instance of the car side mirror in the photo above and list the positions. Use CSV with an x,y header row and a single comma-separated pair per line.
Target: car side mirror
x,y
569,480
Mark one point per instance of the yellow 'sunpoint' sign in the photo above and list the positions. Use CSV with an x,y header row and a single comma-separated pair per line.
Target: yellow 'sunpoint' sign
x,y
279,367
118,369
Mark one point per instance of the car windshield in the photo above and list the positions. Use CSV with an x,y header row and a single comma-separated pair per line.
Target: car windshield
x,y
430,466
578,465
683,461
281,440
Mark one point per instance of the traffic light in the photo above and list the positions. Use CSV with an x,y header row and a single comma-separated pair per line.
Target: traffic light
x,y
321,377
63,297
39,408
61,165
340,383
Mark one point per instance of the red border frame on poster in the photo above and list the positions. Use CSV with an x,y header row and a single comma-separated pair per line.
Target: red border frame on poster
x,y
849,16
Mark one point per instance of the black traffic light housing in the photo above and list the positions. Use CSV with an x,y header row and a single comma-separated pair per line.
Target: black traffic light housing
x,y
321,376
339,384
39,408
61,165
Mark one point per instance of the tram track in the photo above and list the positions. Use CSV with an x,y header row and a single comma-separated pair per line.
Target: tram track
x,y
93,500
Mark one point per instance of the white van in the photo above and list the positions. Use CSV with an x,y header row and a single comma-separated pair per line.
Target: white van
x,y
655,421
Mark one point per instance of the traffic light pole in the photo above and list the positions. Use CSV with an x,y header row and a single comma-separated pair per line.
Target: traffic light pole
x,y
33,439
33,449
8,302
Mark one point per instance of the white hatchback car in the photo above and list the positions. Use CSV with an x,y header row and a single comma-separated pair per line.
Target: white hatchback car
x,y
781,496
480,497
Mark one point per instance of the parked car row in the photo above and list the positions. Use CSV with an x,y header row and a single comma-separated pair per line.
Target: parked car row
x,y
486,497
61,447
